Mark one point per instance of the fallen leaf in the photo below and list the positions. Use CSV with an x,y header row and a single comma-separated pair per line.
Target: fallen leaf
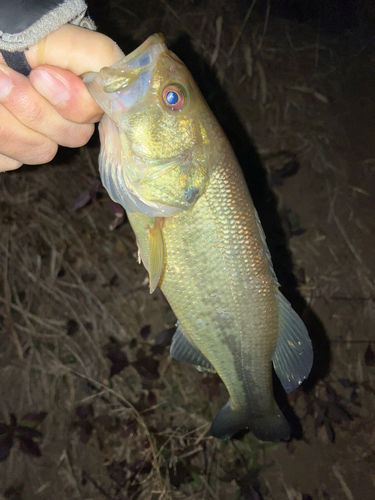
x,y
291,222
140,467
147,367
249,493
180,474
118,473
25,432
29,447
117,209
86,431
114,281
368,387
6,443
119,361
330,431
145,331
95,183
130,427
369,356
345,382
81,201
331,394
88,277
33,418
354,398
71,327
162,340
84,412
151,399
287,170
337,413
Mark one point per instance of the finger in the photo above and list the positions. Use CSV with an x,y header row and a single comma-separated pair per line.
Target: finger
x,y
67,93
34,112
35,148
76,49
7,163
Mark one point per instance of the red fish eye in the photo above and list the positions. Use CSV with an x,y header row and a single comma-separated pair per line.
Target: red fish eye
x,y
173,97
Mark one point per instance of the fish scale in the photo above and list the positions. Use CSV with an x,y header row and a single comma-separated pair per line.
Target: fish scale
x,y
199,236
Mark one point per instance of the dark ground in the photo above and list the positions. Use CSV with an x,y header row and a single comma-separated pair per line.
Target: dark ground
x,y
84,366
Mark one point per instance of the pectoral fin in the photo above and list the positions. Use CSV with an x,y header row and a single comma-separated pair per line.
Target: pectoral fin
x,y
293,356
183,350
156,253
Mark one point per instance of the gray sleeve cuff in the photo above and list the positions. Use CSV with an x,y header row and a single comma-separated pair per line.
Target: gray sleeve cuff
x,y
69,11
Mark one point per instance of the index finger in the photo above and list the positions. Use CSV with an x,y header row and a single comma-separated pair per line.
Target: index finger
x,y
67,93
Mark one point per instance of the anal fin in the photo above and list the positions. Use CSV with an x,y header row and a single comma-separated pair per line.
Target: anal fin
x,y
293,356
156,253
183,350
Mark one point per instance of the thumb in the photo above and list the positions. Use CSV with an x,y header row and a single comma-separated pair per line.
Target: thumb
x,y
77,49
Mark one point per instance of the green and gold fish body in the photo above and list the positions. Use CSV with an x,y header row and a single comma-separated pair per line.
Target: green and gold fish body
x,y
199,236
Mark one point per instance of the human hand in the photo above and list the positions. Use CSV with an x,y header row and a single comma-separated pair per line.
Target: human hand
x,y
52,107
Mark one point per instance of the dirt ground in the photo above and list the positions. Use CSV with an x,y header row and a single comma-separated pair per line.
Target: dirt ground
x,y
91,404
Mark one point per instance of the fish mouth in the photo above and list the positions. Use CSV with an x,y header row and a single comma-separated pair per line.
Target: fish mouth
x,y
145,54
128,79
141,57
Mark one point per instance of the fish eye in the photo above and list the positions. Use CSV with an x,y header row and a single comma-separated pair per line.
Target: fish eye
x,y
173,97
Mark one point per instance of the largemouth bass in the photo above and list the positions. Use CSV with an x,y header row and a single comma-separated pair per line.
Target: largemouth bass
x,y
165,159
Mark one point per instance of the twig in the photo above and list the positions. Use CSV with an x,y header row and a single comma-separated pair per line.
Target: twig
x,y
208,488
8,308
172,11
96,485
248,60
344,486
348,242
317,51
306,90
236,40
219,25
337,297
262,82
208,471
265,26
342,341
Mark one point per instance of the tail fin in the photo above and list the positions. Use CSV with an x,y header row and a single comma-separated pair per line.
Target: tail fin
x,y
273,427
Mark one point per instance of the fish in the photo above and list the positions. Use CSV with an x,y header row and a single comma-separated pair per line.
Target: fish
x,y
166,160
